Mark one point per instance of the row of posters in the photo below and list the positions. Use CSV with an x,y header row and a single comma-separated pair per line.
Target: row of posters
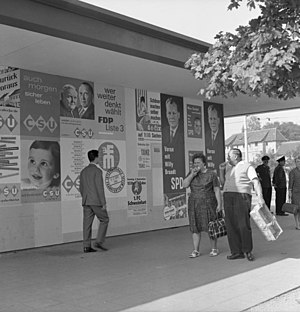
x,y
48,123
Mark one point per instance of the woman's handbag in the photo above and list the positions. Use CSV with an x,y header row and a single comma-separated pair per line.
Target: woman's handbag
x,y
290,208
217,228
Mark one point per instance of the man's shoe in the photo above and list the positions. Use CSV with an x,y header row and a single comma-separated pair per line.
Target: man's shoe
x,y
88,249
281,214
236,256
100,246
250,256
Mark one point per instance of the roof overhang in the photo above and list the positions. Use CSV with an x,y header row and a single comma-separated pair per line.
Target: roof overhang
x,y
74,39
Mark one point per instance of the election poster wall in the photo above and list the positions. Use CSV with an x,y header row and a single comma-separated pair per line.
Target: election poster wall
x,y
48,123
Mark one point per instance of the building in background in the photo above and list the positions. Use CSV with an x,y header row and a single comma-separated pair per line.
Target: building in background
x,y
266,141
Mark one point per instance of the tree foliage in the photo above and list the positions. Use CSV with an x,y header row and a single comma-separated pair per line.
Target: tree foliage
x,y
289,129
263,57
253,123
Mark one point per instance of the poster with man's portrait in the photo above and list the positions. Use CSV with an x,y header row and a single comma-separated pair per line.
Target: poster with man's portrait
x,y
214,135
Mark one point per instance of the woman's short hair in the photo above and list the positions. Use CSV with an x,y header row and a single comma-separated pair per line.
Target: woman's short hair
x,y
201,156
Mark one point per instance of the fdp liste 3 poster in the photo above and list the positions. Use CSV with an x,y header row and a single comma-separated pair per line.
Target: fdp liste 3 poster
x,y
110,112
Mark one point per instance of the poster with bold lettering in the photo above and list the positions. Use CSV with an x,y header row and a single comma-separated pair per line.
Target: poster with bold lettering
x,y
214,135
173,158
137,197
148,115
40,170
194,121
9,169
76,108
143,156
39,98
74,153
110,112
9,145
10,88
112,155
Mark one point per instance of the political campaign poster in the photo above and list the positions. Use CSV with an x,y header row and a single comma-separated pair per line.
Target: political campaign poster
x,y
76,108
148,115
10,88
194,121
214,135
39,108
143,155
137,196
173,155
110,112
74,152
112,155
9,145
40,170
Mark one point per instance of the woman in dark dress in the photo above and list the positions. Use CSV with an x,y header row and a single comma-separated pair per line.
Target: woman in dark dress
x,y
204,202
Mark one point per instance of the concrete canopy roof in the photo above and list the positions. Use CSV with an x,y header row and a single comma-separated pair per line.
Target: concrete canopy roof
x,y
75,39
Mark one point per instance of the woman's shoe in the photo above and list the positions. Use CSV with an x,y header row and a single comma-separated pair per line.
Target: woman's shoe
x,y
214,252
194,254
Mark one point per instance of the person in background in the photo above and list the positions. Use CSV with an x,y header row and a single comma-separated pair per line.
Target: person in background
x,y
264,176
294,189
279,183
43,165
86,100
68,101
94,202
204,202
238,178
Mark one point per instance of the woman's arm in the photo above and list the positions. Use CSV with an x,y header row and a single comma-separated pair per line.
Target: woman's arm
x,y
187,181
218,197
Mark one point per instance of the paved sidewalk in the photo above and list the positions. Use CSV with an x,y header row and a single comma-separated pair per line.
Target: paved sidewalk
x,y
150,271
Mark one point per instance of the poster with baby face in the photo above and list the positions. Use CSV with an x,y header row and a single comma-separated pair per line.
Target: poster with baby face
x,y
40,170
